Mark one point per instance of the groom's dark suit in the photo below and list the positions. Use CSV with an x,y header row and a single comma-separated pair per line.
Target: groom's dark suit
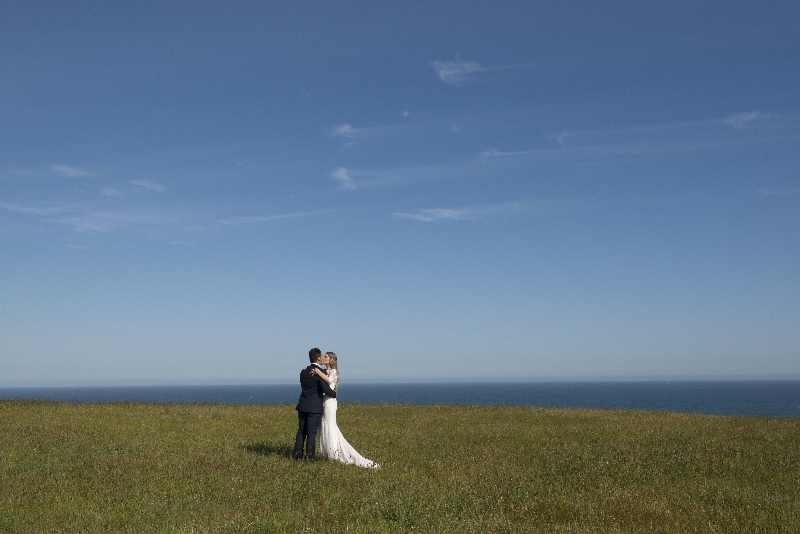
x,y
309,411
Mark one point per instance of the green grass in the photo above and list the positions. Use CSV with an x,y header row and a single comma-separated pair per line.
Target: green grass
x,y
227,468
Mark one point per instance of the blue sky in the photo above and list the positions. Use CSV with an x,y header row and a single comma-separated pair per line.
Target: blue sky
x,y
192,191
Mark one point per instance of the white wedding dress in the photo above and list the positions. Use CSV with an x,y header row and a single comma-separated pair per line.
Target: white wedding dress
x,y
332,444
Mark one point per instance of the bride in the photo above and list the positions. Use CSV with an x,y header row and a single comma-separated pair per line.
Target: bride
x,y
332,444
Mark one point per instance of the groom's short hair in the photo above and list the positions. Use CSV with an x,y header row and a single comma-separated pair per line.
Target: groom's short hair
x,y
314,354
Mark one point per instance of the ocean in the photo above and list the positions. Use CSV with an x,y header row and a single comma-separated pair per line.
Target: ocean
x,y
772,398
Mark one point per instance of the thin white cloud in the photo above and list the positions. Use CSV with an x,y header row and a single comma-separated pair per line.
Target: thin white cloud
x,y
494,153
110,192
108,221
344,178
69,172
736,120
740,120
438,214
769,192
353,179
251,219
148,185
456,72
598,146
353,135
358,179
30,210
85,224
85,221
465,213
641,140
345,130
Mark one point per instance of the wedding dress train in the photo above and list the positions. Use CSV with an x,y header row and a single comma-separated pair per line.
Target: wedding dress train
x,y
332,444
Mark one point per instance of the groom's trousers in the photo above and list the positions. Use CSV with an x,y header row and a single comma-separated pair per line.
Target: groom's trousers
x,y
308,424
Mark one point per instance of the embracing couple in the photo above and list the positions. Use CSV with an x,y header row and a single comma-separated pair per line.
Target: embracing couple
x,y
317,408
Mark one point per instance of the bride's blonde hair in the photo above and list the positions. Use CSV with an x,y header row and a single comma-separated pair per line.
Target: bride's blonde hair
x,y
333,365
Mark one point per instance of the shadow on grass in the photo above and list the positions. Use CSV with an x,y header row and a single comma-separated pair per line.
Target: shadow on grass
x,y
267,449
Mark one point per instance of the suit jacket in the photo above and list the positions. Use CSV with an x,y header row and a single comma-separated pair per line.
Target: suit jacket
x,y
313,388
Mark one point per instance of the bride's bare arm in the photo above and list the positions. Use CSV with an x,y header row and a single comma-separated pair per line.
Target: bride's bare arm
x,y
317,371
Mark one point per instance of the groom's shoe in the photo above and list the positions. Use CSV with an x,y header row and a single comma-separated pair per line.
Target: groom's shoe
x,y
298,459
310,459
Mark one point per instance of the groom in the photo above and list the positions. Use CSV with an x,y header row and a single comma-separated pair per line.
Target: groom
x,y
309,407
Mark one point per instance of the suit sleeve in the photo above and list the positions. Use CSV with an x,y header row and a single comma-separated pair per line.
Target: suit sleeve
x,y
326,389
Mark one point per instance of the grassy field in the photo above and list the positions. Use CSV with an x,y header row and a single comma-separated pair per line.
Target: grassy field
x,y
227,468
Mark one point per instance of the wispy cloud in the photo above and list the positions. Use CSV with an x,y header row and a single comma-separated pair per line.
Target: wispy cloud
x,y
769,192
108,221
457,72
561,137
30,210
344,178
358,179
465,213
69,172
252,219
148,185
351,135
354,135
354,179
642,140
110,192
439,214
571,147
86,220
740,120
494,153
345,130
